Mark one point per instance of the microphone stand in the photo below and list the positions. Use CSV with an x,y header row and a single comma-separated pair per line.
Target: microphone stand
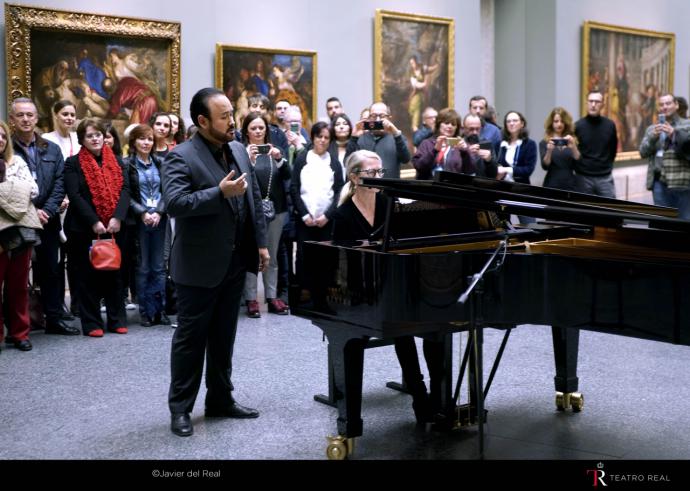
x,y
477,329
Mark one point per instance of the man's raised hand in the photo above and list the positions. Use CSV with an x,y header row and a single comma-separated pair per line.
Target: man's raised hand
x,y
233,187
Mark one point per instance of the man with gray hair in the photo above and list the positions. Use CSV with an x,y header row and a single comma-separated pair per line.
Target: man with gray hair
x,y
297,140
46,164
381,136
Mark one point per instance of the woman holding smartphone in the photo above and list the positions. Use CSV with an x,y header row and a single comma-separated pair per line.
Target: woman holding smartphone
x,y
559,151
445,150
271,172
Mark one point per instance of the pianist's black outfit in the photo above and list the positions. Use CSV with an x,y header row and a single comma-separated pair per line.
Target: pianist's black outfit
x,y
350,225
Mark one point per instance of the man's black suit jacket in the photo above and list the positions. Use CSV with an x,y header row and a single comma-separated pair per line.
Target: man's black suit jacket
x,y
205,223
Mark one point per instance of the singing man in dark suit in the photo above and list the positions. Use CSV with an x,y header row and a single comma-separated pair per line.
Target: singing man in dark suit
x,y
210,188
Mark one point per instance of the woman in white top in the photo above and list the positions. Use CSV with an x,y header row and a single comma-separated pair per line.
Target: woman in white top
x,y
65,123
316,183
19,225
65,136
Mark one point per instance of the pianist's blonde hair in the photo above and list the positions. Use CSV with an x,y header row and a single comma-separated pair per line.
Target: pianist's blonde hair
x,y
354,164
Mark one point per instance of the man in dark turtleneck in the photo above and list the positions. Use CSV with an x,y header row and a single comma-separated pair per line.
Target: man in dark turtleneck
x,y
597,142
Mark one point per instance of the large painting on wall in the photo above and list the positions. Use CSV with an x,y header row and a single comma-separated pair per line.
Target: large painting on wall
x,y
115,68
413,65
242,71
631,68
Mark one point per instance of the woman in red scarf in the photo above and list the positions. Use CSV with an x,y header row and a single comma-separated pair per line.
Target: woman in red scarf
x,y
98,190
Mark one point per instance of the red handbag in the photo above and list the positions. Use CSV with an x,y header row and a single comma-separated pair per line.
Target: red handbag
x,y
105,255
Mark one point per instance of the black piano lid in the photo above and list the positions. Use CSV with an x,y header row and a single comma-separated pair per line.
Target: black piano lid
x,y
480,193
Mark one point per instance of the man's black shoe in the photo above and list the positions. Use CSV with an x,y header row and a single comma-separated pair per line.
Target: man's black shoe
x,y
23,345
233,411
181,424
145,321
60,327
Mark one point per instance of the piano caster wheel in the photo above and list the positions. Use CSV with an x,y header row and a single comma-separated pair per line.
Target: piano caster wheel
x,y
560,401
339,447
570,399
577,401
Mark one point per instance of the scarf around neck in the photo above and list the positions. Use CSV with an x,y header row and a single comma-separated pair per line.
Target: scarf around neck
x,y
105,182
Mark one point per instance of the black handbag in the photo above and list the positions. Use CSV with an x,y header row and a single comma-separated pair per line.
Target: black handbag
x,y
267,206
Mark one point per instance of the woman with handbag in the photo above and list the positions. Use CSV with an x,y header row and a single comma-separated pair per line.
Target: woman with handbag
x,y
147,207
98,189
271,172
18,233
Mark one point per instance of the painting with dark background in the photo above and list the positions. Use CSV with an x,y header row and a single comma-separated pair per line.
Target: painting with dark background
x,y
277,74
413,66
631,68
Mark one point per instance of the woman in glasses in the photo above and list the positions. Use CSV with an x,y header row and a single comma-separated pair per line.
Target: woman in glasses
x,y
98,189
361,212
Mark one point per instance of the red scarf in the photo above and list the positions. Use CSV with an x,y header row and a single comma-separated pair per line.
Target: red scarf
x,y
105,182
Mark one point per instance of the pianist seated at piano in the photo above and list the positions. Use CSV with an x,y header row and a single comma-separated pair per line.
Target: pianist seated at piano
x,y
360,216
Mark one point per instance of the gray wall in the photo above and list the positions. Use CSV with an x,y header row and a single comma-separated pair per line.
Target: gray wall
x,y
342,33
538,51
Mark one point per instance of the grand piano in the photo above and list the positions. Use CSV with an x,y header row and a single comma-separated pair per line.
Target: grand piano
x,y
591,263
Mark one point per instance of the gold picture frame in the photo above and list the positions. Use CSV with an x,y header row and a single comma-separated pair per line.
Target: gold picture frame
x,y
242,71
408,46
631,67
116,68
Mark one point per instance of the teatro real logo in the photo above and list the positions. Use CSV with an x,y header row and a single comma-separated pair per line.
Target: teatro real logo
x,y
597,475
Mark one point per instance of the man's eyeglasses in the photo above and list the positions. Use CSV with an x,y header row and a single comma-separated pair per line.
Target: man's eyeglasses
x,y
373,172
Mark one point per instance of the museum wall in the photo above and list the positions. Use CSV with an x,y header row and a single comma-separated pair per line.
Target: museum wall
x,y
342,33
538,57
536,46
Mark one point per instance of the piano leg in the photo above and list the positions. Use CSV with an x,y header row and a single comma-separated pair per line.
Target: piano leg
x,y
565,349
329,399
348,364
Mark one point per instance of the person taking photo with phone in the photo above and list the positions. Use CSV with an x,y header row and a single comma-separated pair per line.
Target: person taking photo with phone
x,y
559,151
666,144
271,172
381,136
445,150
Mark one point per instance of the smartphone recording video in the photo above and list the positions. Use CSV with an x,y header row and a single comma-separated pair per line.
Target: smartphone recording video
x,y
373,125
485,145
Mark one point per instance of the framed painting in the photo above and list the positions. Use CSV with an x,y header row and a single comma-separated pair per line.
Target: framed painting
x,y
114,68
242,71
413,66
631,68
